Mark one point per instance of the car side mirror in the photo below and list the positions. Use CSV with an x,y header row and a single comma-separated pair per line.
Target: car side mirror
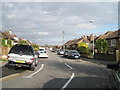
x,y
113,66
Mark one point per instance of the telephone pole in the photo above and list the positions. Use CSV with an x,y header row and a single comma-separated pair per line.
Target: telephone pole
x,y
63,40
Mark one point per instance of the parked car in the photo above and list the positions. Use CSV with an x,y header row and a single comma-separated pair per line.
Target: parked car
x,y
60,52
65,53
43,54
54,51
41,49
73,54
114,77
22,55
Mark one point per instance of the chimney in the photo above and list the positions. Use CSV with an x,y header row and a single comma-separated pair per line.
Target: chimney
x,y
10,31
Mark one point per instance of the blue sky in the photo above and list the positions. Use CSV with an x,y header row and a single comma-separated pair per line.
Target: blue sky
x,y
44,22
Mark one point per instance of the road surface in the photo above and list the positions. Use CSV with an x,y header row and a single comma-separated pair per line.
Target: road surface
x,y
60,73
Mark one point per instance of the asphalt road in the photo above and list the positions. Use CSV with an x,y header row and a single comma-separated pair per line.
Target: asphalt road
x,y
59,73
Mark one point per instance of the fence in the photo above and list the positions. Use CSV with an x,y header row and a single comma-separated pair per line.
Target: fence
x,y
105,56
3,52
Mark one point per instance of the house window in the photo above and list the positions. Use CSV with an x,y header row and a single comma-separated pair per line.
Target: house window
x,y
113,42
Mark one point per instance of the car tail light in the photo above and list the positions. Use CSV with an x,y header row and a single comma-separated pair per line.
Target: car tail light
x,y
8,56
29,63
32,59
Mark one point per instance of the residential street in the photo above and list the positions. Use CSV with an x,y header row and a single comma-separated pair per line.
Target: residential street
x,y
59,72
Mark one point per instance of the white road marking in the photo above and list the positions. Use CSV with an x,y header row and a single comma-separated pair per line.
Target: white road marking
x,y
34,72
60,60
66,84
68,66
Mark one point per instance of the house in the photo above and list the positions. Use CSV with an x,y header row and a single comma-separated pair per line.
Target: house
x,y
10,36
72,44
113,41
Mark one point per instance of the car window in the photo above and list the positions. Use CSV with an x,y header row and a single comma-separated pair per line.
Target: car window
x,y
41,50
73,51
20,49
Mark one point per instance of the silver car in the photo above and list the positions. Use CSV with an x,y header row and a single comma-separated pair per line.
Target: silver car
x,y
22,55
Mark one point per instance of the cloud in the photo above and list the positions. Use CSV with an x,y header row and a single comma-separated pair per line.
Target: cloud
x,y
43,33
11,16
86,26
44,22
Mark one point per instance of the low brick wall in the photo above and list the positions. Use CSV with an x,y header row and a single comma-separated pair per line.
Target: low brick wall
x,y
3,52
104,56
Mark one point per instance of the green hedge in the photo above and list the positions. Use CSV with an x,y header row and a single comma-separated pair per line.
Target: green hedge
x,y
2,42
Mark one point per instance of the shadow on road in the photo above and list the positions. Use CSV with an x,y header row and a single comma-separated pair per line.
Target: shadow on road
x,y
79,83
6,71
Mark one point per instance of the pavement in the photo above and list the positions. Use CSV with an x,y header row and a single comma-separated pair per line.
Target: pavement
x,y
2,63
103,62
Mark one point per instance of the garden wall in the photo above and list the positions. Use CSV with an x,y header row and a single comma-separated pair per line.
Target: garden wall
x,y
105,56
3,52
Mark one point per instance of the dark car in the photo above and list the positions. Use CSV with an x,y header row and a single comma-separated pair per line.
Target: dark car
x,y
73,54
114,77
65,53
22,55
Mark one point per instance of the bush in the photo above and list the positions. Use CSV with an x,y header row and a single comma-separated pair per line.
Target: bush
x,y
102,45
36,47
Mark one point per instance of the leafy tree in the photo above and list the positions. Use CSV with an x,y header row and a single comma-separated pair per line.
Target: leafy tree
x,y
102,45
23,42
9,42
36,47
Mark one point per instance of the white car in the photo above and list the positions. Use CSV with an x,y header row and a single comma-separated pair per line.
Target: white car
x,y
41,49
22,55
42,54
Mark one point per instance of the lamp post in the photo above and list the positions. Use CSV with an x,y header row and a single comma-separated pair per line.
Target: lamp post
x,y
91,21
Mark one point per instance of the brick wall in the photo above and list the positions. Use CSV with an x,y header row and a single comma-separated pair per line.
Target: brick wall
x,y
3,52
104,56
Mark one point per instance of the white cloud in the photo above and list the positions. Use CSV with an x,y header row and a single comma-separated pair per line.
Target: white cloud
x,y
44,12
11,16
46,20
43,33
86,26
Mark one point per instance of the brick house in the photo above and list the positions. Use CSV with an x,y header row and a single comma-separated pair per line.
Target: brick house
x,y
113,41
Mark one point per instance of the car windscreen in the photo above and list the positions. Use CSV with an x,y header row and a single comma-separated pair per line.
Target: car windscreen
x,y
73,51
24,50
41,50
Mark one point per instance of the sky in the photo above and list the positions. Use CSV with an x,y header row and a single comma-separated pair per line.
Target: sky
x,y
44,22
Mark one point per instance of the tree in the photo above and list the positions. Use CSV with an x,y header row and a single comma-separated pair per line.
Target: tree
x,y
102,45
36,47
82,48
23,42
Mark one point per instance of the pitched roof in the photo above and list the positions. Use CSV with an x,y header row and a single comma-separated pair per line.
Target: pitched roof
x,y
115,34
86,40
69,42
8,35
110,34
104,36
78,40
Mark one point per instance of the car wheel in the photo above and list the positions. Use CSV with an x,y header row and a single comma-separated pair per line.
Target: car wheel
x,y
32,67
36,62
68,57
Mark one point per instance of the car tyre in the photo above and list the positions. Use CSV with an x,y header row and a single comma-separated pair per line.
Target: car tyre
x,y
32,67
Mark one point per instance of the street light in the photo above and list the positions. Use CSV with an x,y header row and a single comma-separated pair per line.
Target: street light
x,y
91,21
